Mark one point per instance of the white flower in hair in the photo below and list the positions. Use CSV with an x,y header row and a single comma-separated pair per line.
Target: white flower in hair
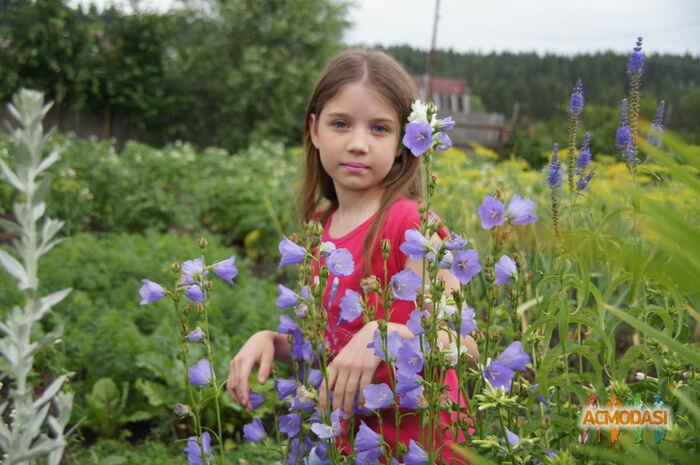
x,y
419,112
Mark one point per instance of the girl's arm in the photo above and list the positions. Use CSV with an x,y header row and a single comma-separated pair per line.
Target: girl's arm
x,y
261,348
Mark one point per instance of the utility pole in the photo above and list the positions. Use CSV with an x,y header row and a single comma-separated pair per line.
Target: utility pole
x,y
429,97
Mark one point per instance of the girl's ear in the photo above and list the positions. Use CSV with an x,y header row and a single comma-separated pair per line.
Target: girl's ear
x,y
313,129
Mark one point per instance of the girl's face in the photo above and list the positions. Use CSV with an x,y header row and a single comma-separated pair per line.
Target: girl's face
x,y
357,136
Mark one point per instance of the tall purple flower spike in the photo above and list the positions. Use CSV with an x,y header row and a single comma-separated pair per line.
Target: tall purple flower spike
x,y
584,155
554,179
636,62
623,136
576,104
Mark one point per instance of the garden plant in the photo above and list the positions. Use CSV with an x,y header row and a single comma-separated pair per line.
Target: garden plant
x,y
579,285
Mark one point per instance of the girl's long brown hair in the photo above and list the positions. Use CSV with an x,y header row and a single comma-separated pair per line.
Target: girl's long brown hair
x,y
386,75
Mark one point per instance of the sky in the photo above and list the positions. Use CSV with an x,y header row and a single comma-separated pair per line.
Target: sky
x,y
564,27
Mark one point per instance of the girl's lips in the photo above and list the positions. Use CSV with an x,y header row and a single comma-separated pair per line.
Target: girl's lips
x,y
355,167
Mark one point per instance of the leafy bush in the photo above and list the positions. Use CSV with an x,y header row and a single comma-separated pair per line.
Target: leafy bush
x,y
108,335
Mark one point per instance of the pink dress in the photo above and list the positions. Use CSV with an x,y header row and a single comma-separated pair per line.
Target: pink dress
x,y
401,216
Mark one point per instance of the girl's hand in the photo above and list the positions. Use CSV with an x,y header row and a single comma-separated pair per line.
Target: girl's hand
x,y
351,370
259,349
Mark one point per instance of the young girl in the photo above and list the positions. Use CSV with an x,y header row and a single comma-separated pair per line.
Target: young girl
x,y
363,186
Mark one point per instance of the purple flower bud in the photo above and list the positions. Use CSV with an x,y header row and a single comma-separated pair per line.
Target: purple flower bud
x,y
181,410
200,373
195,335
505,270
418,138
582,183
291,252
446,124
414,323
513,438
150,292
491,212
254,431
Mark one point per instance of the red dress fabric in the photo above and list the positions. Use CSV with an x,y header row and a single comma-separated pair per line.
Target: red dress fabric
x,y
401,216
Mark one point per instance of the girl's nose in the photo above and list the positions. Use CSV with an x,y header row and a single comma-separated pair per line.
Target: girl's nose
x,y
359,141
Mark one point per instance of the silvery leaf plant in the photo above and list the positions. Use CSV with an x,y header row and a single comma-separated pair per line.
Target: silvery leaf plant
x,y
36,428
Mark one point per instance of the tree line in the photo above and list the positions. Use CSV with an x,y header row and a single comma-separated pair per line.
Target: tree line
x,y
242,70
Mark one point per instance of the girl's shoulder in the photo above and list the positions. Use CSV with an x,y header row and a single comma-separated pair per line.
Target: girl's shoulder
x,y
405,214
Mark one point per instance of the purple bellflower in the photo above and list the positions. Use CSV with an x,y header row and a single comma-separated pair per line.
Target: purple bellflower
x,y
447,259
301,348
415,455
195,294
405,284
513,438
465,265
350,307
415,323
410,357
226,269
150,292
289,424
285,387
415,245
254,431
291,252
328,431
576,104
636,62
499,375
287,297
468,325
455,242
256,399
505,270
315,377
192,268
366,438
521,211
514,357
340,262
368,457
393,342
491,212
377,396
444,141
418,138
195,335
200,373
409,389
554,179
194,452
287,325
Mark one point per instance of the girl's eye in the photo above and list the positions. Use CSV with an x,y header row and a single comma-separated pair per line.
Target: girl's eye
x,y
339,124
381,128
